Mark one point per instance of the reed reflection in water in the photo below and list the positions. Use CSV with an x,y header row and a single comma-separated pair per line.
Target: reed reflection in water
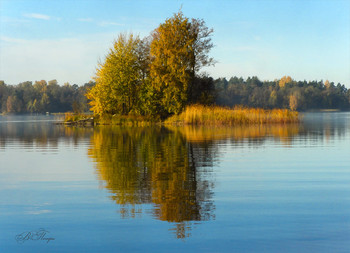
x,y
170,168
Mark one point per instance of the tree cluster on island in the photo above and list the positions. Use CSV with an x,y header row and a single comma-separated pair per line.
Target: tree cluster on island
x,y
158,75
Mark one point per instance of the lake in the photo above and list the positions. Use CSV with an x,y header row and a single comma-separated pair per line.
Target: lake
x,y
268,188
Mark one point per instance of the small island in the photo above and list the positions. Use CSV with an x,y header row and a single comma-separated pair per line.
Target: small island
x,y
155,79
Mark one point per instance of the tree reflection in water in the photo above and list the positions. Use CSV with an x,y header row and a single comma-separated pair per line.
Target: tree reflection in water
x,y
154,165
170,168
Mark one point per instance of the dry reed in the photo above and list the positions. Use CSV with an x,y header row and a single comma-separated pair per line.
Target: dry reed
x,y
216,115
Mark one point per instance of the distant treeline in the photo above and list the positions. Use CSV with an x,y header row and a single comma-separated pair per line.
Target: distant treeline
x,y
282,93
42,97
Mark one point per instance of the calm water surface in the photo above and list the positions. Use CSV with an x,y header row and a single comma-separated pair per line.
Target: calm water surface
x,y
156,189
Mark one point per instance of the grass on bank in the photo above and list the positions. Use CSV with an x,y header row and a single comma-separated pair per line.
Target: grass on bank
x,y
216,115
73,117
124,120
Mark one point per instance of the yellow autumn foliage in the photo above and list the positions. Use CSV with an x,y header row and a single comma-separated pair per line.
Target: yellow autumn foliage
x,y
284,80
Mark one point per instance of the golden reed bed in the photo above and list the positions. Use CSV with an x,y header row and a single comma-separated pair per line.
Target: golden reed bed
x,y
216,115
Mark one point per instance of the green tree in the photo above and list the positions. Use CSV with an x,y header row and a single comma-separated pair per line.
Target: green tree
x,y
178,50
13,104
171,52
118,78
3,95
273,98
202,90
293,102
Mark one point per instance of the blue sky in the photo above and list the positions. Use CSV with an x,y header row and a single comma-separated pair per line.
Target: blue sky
x,y
64,40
